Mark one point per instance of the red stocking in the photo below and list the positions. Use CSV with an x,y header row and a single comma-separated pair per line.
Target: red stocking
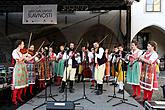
x,y
150,95
19,95
24,91
138,90
58,81
134,90
145,97
93,83
14,96
31,89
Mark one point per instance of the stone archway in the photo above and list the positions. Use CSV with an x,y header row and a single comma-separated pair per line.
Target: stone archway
x,y
49,35
96,33
152,32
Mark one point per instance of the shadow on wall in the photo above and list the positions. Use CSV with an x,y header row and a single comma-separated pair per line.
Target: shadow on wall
x,y
97,33
49,35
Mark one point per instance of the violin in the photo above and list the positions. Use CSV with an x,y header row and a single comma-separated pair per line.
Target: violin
x,y
24,51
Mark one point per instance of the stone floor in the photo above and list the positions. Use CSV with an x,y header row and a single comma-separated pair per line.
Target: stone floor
x,y
100,101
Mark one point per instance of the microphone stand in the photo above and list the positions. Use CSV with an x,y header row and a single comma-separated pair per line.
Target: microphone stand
x,y
114,90
123,99
84,94
50,88
50,94
45,102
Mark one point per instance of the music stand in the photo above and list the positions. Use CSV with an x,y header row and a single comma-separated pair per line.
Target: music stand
x,y
84,94
123,99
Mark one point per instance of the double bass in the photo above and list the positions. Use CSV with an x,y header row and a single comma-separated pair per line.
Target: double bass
x,y
87,72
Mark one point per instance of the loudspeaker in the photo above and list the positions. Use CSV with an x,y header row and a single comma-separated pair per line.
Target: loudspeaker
x,y
60,105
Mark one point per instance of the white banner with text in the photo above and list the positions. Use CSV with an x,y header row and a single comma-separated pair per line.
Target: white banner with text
x,y
39,14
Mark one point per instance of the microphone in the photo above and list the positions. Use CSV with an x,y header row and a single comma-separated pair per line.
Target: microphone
x,y
66,48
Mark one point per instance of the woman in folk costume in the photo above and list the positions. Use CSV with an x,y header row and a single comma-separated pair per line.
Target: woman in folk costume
x,y
134,69
60,68
148,79
113,62
41,69
121,68
107,68
31,69
19,78
52,59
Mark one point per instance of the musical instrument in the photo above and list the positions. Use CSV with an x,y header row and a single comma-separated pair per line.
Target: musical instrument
x,y
87,72
103,38
24,51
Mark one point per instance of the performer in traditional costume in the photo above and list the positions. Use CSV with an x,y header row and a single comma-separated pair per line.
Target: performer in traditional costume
x,y
71,65
113,62
148,79
41,69
107,68
31,69
100,61
134,69
60,68
91,65
19,78
52,60
121,68
83,61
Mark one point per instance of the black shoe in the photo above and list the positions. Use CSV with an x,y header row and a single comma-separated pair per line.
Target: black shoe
x,y
98,92
144,102
119,91
122,91
71,90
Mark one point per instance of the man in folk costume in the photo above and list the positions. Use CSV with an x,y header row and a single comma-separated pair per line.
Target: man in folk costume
x,y
121,67
100,61
134,69
60,68
19,78
52,59
31,69
148,79
71,65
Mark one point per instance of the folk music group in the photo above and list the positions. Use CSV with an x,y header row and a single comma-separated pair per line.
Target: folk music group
x,y
95,63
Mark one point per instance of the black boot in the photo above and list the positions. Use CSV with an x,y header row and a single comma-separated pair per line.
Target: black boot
x,y
100,89
71,87
96,87
79,75
62,87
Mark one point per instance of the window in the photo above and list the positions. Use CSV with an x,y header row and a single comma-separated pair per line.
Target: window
x,y
153,5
